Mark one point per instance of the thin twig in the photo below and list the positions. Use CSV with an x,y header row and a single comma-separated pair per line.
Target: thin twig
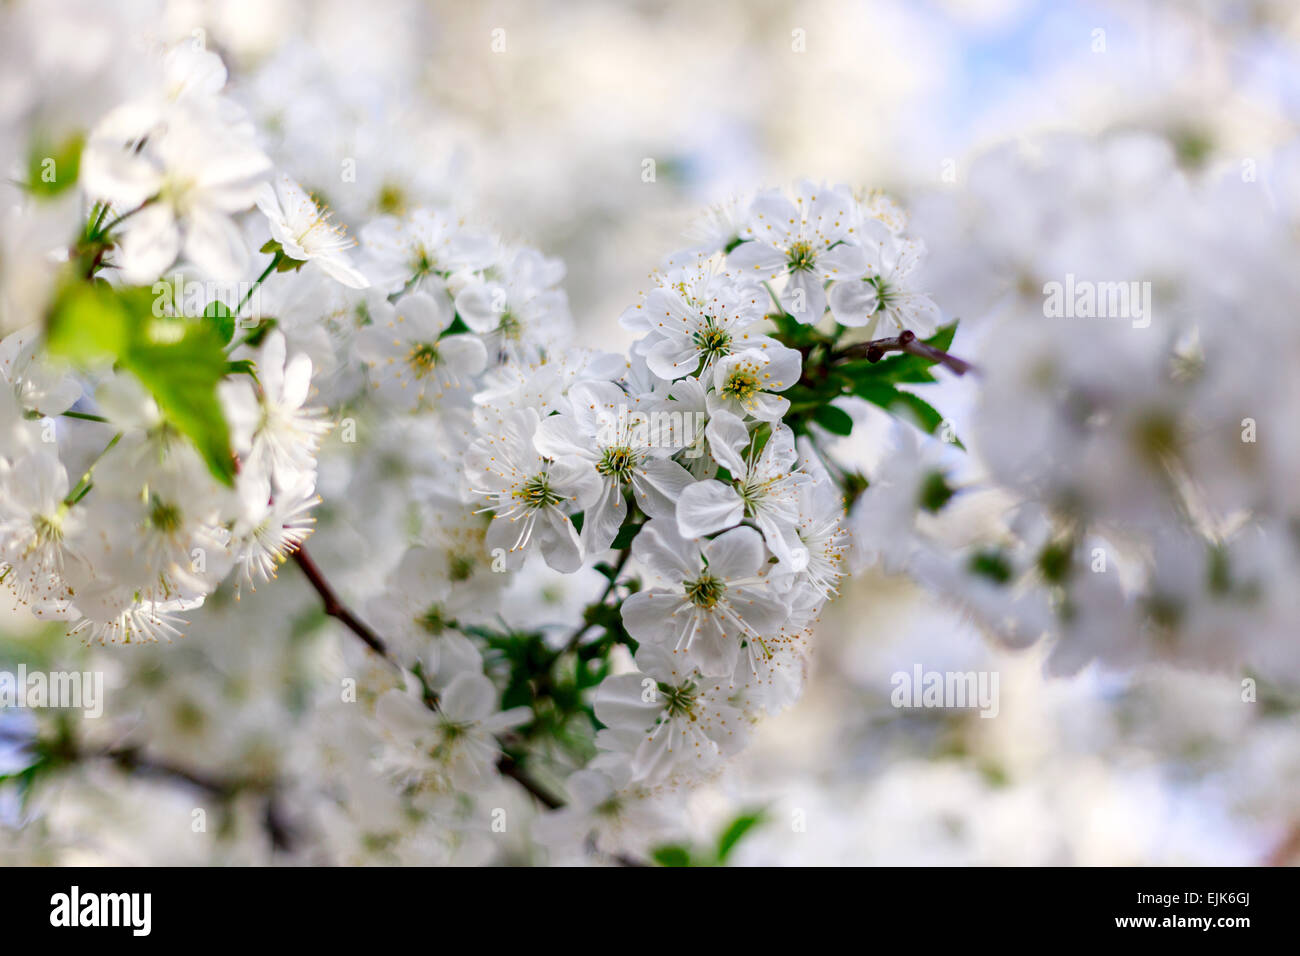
x,y
905,341
132,760
509,768
572,642
336,609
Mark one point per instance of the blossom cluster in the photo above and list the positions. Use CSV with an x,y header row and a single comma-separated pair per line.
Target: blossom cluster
x,y
673,470
677,457
1132,447
110,518
580,578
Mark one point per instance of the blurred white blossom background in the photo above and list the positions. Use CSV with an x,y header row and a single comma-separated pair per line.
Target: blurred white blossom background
x,y
541,119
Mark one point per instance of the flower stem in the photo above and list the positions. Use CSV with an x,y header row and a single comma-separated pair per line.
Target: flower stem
x,y
572,642
275,261
84,484
122,218
85,417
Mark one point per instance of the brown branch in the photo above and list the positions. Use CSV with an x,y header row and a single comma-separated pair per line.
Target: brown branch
x,y
505,763
336,609
64,750
132,760
905,341
509,768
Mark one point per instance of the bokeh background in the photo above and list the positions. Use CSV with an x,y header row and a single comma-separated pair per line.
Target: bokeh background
x,y
540,117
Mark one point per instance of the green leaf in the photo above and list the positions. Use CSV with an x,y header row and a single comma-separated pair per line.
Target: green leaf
x,y
795,334
878,392
182,372
735,831
894,369
625,535
834,420
180,361
222,319
942,339
87,323
671,855
926,416
52,169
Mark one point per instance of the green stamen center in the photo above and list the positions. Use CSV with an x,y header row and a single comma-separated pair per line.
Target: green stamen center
x,y
712,341
422,358
434,620
616,463
536,492
742,384
802,257
678,701
164,517
705,591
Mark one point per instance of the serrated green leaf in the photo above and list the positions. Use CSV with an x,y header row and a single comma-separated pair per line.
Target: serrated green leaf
x,y
905,405
895,369
182,375
877,392
926,415
942,339
180,361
